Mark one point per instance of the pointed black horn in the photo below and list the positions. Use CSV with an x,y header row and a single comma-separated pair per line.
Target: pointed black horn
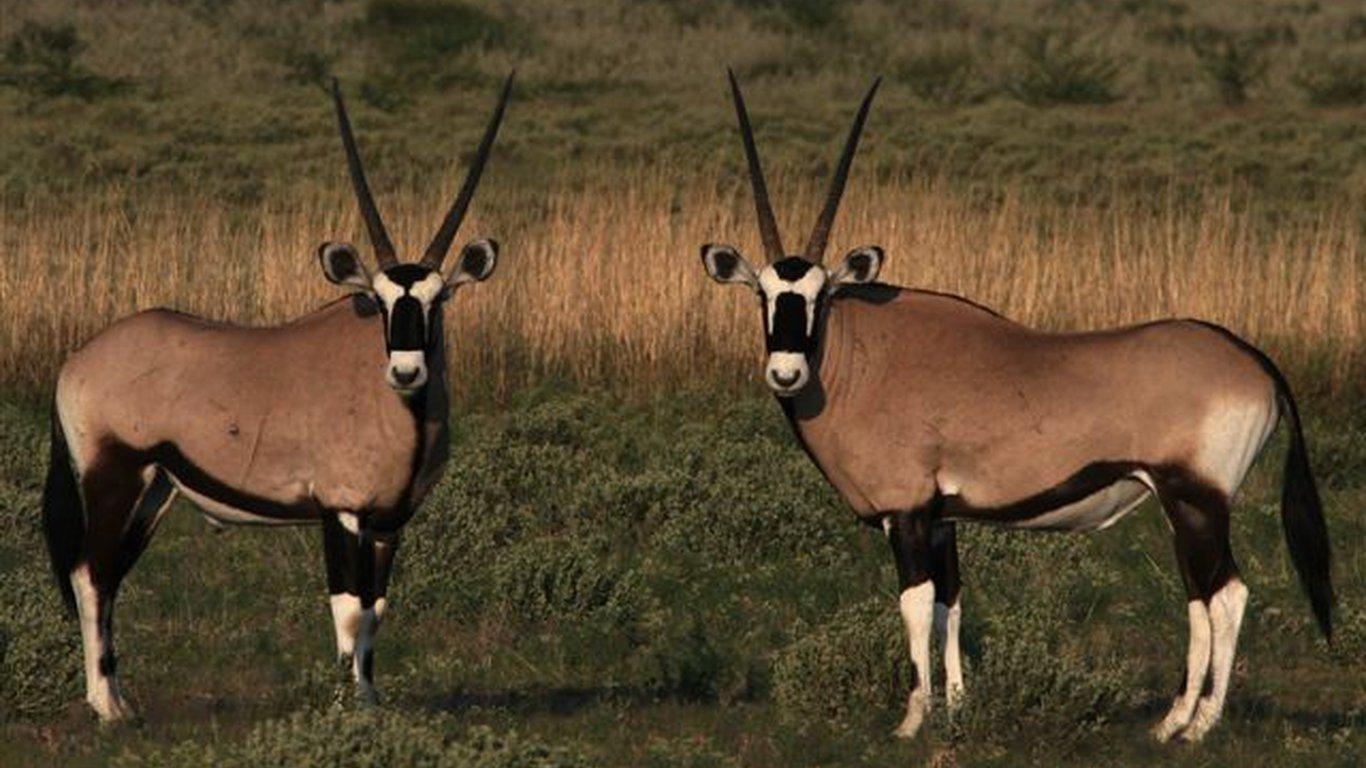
x,y
441,243
820,234
384,249
768,225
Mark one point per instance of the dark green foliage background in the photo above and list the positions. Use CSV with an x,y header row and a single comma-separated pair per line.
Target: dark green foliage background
x,y
1067,98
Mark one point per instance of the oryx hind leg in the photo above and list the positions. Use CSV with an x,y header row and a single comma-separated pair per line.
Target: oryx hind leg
x,y
909,535
1215,597
124,503
947,610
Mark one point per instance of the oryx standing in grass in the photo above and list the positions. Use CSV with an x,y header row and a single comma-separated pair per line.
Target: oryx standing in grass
x,y
923,409
338,417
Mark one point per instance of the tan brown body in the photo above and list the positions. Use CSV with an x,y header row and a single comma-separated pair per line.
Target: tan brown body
x,y
921,394
258,424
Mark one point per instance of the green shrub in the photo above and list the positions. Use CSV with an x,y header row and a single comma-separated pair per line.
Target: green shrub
x,y
1032,677
695,655
42,60
942,74
850,671
557,578
1333,81
40,646
23,467
367,739
1234,62
1349,635
809,15
694,752
1055,67
422,36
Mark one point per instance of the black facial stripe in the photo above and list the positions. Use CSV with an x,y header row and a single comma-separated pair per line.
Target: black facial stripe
x,y
792,268
788,333
407,325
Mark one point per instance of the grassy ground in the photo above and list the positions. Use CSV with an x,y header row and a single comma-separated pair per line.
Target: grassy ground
x,y
625,584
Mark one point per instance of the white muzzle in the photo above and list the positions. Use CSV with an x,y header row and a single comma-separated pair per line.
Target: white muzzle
x,y
407,371
786,373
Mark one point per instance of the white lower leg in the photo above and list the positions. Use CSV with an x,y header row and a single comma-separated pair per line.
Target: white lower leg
x,y
1197,663
1225,618
346,620
947,620
101,690
917,612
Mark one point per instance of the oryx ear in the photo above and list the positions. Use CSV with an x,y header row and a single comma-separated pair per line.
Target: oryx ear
x,y
342,265
860,266
726,265
476,263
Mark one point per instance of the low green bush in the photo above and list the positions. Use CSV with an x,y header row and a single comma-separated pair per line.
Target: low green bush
x,y
1058,67
43,60
943,74
361,739
548,579
851,671
40,656
1333,80
1032,677
1233,61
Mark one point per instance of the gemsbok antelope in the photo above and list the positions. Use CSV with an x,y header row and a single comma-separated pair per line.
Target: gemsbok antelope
x,y
338,417
923,409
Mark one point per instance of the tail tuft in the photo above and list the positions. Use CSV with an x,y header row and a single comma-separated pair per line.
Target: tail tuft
x,y
63,518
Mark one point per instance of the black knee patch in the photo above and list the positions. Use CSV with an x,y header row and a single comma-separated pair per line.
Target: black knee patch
x,y
108,664
915,677
1208,688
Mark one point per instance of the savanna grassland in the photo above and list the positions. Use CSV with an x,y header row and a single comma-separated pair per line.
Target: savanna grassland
x,y
609,574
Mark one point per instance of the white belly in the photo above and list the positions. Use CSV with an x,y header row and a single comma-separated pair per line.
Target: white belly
x,y
1098,511
222,513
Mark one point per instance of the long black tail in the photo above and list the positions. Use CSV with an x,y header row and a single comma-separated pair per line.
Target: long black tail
x,y
63,517
1306,533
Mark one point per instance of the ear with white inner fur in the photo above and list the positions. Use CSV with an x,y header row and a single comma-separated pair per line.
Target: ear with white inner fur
x,y
860,266
476,262
342,265
726,265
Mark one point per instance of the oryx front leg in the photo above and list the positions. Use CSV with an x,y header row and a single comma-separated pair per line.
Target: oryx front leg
x,y
909,537
350,554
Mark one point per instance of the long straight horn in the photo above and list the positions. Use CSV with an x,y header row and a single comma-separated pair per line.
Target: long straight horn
x,y
384,249
820,234
768,225
436,252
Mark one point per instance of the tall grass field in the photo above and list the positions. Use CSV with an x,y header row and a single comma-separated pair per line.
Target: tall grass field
x,y
630,561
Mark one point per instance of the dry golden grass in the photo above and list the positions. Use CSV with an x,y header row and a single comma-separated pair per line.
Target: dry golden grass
x,y
600,283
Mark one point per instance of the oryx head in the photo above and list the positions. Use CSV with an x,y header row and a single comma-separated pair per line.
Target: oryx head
x,y
793,288
410,295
